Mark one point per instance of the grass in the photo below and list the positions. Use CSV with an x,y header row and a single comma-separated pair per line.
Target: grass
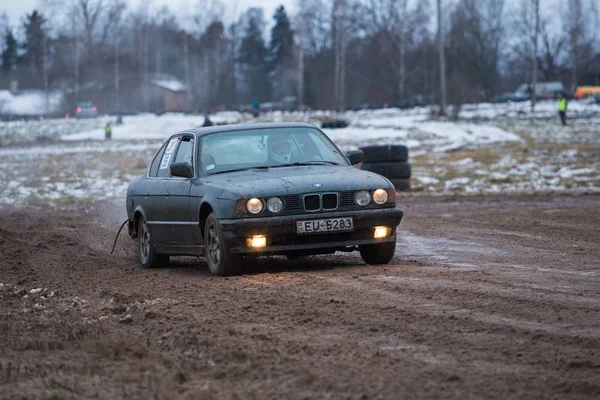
x,y
547,149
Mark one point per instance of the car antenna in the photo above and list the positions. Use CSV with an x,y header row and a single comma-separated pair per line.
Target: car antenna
x,y
118,233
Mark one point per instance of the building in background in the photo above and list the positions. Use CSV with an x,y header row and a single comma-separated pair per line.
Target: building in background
x,y
169,94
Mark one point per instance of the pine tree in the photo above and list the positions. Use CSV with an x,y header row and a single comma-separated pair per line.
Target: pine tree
x,y
34,44
9,55
281,47
253,58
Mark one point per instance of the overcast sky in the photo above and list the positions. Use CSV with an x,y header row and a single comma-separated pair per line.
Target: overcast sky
x,y
16,9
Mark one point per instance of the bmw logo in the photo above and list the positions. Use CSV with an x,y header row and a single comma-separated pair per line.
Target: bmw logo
x,y
317,185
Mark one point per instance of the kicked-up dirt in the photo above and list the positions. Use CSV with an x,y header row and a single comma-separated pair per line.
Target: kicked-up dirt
x,y
488,297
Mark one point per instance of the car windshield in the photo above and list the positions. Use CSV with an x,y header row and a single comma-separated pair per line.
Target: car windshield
x,y
267,148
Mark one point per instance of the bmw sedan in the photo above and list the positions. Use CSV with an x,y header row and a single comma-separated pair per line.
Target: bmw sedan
x,y
237,192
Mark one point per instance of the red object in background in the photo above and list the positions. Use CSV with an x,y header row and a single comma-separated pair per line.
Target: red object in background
x,y
78,109
95,108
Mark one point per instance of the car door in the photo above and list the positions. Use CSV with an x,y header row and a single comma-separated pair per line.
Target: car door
x,y
171,204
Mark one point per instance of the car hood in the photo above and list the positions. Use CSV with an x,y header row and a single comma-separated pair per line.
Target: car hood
x,y
296,180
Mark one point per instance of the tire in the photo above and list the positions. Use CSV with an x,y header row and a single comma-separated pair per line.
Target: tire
x,y
341,123
391,170
220,261
401,184
148,256
379,253
334,124
383,153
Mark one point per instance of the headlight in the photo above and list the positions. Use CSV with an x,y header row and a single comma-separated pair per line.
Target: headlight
x,y
254,205
362,198
380,196
274,204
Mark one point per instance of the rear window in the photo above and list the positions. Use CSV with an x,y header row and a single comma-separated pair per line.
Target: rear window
x,y
167,157
156,162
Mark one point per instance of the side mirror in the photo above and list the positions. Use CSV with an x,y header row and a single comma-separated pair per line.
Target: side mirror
x,y
355,156
182,169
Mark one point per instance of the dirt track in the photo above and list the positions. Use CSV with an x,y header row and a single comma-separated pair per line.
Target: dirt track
x,y
495,297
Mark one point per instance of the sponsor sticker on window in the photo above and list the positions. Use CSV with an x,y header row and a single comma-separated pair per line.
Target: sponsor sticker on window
x,y
171,146
165,161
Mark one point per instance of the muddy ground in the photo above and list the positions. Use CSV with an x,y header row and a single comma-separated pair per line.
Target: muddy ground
x,y
488,296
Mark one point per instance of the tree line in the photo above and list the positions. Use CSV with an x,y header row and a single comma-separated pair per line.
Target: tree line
x,y
327,54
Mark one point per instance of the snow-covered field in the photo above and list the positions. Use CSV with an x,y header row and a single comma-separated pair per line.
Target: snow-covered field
x,y
492,147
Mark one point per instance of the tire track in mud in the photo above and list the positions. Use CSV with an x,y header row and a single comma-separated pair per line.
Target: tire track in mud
x,y
485,298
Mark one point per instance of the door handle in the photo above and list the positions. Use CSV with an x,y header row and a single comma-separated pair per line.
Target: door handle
x,y
147,194
168,192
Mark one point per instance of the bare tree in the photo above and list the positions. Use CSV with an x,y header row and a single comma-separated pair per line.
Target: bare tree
x,y
390,18
552,47
573,22
442,56
527,31
96,19
536,34
339,52
302,21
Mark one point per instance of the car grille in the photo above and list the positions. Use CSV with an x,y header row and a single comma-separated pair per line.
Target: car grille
x,y
312,202
329,201
324,202
292,203
347,199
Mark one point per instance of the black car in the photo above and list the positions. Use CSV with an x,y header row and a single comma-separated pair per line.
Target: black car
x,y
233,193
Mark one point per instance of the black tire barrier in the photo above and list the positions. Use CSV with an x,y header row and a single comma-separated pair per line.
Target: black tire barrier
x,y
334,124
401,184
391,170
383,153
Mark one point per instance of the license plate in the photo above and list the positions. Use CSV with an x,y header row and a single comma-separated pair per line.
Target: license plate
x,y
324,225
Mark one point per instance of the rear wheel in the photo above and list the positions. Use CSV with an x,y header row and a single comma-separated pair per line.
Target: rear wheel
x,y
220,261
379,253
148,256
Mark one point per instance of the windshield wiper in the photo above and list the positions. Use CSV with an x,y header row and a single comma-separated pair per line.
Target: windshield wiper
x,y
311,162
241,169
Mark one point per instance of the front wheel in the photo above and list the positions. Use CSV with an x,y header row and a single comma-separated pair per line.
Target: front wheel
x,y
148,256
379,253
220,261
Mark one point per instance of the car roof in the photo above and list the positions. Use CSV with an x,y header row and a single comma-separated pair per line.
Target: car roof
x,y
246,127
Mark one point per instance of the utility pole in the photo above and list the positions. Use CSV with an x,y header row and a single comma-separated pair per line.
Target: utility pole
x,y
117,73
45,67
535,51
442,60
77,62
186,66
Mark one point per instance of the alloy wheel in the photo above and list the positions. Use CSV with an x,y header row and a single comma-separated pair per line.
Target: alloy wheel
x,y
213,247
144,242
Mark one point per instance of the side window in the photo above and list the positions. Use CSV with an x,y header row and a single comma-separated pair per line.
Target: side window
x,y
156,161
185,153
167,157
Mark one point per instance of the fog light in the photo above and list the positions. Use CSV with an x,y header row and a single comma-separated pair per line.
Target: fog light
x,y
257,241
382,232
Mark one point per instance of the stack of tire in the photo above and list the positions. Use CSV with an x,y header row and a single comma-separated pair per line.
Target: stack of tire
x,y
390,161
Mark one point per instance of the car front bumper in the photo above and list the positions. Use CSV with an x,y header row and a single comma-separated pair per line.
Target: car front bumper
x,y
282,238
